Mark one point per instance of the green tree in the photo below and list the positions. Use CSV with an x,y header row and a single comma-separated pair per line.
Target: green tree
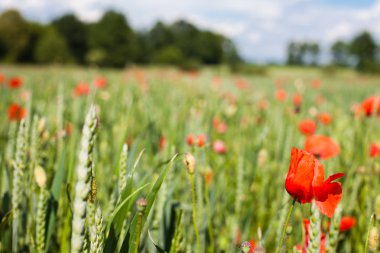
x,y
363,48
340,53
52,47
169,55
113,36
295,53
313,51
74,32
14,36
160,36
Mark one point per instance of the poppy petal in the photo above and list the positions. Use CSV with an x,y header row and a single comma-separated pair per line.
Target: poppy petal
x,y
328,206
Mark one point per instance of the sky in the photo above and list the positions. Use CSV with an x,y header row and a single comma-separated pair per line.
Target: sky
x,y
260,29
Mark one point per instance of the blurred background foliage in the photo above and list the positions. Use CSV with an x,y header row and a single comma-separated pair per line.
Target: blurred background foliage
x,y
112,42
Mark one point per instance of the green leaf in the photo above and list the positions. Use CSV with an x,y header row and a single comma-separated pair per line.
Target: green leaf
x,y
59,177
119,214
150,200
159,249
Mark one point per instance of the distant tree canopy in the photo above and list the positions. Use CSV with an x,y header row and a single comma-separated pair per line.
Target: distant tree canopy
x,y
361,52
14,36
110,42
303,53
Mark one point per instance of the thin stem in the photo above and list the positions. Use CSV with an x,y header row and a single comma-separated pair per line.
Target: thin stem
x,y
195,213
368,233
285,226
210,230
138,231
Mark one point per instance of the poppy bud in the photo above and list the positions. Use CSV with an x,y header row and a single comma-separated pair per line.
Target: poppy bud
x,y
373,241
245,247
40,176
141,204
189,161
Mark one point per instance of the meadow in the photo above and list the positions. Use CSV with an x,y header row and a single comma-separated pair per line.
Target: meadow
x,y
161,160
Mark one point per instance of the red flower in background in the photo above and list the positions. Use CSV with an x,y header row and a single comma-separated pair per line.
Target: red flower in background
x,y
307,127
346,223
219,126
82,89
162,143
305,182
16,112
100,82
324,118
374,150
297,99
69,128
241,84
371,105
219,147
280,95
321,146
15,82
208,176
201,140
190,140
316,83
263,104
2,78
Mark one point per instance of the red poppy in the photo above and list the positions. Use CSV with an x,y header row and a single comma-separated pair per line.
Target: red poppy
x,y
201,140
162,143
16,112
219,126
370,104
190,140
346,223
241,84
216,81
305,182
374,150
280,95
321,146
100,82
68,128
297,99
2,78
15,82
208,176
263,104
315,83
82,89
307,127
215,122
219,147
253,246
324,118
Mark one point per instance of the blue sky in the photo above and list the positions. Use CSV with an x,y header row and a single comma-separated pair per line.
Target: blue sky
x,y
260,28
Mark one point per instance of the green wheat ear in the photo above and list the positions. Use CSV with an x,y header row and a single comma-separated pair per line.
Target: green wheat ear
x,y
18,181
314,230
83,184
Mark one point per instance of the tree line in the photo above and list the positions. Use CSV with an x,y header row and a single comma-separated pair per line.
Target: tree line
x,y
362,52
110,42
